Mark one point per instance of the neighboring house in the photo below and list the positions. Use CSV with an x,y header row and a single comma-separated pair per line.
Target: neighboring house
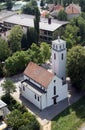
x,y
42,87
50,7
47,26
56,10
3,107
44,13
73,10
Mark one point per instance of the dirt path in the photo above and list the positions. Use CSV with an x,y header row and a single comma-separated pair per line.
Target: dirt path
x,y
46,126
82,127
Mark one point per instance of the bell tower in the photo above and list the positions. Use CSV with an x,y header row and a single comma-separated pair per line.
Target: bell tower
x,y
59,58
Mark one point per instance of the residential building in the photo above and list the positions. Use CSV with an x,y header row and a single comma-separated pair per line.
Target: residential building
x,y
56,10
47,26
73,10
42,87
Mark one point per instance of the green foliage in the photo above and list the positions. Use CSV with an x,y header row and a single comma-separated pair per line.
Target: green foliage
x,y
16,63
16,120
31,36
42,3
8,87
35,54
80,23
12,104
24,44
71,118
9,4
36,22
76,66
82,4
29,8
62,15
71,35
4,50
45,50
14,38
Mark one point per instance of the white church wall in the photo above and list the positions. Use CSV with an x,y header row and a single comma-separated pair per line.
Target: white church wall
x,y
61,91
30,95
44,104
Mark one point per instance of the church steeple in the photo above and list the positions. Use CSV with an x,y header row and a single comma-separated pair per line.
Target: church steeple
x,y
59,58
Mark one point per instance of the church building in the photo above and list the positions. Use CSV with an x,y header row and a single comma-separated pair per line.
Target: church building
x,y
43,88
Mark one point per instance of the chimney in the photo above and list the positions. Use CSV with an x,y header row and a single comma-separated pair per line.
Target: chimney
x,y
49,20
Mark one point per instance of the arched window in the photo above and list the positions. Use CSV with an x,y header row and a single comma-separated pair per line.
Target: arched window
x,y
54,56
54,90
35,96
62,56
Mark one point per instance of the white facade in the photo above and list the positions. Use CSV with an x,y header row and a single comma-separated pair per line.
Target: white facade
x,y
56,90
59,58
47,98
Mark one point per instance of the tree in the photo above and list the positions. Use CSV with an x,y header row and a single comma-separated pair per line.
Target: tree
x,y
4,53
82,5
4,50
19,121
31,36
24,44
62,15
35,54
76,66
9,4
8,87
15,37
41,3
80,23
16,63
29,8
45,50
71,35
36,22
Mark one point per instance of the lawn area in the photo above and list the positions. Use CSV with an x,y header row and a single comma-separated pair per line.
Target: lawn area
x,y
71,118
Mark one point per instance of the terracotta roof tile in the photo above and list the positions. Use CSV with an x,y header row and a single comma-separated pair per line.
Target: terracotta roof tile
x,y
38,74
73,9
58,7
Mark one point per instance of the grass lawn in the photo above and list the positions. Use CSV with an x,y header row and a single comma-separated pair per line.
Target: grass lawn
x,y
71,118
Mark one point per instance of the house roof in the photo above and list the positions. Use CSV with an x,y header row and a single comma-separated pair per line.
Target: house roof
x,y
2,104
33,87
73,9
58,7
38,74
28,21
44,13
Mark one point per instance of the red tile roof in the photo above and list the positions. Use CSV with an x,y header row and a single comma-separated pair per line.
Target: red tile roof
x,y
73,9
58,7
38,74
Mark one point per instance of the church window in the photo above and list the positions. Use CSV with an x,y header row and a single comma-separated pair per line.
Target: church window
x,y
54,81
62,78
38,98
54,56
62,56
23,88
54,90
35,96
